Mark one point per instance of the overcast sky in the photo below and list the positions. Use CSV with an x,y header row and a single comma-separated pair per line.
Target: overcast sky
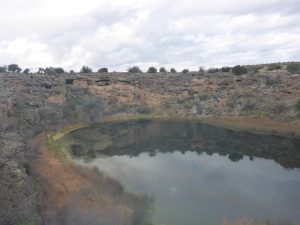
x,y
171,33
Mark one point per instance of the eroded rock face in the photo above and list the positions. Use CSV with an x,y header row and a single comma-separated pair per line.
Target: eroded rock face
x,y
33,103
271,95
47,97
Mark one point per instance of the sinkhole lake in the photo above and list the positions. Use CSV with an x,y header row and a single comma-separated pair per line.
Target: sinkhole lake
x,y
196,173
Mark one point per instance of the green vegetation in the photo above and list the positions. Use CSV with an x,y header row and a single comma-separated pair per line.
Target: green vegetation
x,y
14,68
274,66
152,70
213,70
58,146
135,69
32,112
54,70
104,190
185,71
3,69
26,71
173,70
86,69
201,69
103,70
226,69
293,67
144,110
239,70
297,105
162,70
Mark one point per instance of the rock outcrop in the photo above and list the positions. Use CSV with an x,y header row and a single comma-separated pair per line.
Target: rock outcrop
x,y
33,103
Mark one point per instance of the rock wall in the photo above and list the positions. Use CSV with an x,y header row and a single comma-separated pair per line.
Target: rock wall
x,y
33,103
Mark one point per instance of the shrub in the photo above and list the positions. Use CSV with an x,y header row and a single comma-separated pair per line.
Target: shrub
x,y
274,66
254,69
298,105
235,156
58,70
162,70
273,81
54,70
239,70
26,71
134,69
213,70
103,70
86,69
185,71
173,70
144,110
250,105
152,70
50,71
3,69
41,70
279,108
14,68
226,69
293,68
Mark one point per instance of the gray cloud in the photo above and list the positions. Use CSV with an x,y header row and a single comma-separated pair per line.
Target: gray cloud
x,y
119,34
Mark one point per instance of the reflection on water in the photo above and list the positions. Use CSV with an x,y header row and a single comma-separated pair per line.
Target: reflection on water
x,y
197,174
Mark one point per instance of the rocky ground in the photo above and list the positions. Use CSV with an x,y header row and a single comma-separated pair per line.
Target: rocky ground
x,y
31,104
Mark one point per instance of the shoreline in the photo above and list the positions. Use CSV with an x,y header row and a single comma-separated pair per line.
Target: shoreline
x,y
63,179
245,124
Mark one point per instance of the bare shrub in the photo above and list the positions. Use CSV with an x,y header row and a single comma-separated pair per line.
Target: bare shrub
x,y
250,105
293,67
273,81
279,108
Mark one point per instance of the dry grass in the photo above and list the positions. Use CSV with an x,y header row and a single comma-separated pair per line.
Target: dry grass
x,y
70,188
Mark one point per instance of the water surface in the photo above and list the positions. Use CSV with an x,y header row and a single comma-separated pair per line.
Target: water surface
x,y
197,174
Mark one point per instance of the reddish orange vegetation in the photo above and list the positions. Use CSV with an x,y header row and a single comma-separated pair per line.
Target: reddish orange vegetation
x,y
69,185
61,179
66,184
